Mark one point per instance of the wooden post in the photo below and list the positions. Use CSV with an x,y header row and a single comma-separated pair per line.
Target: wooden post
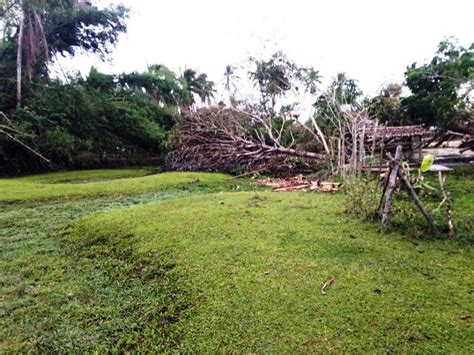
x,y
385,184
418,202
361,152
382,147
392,183
449,203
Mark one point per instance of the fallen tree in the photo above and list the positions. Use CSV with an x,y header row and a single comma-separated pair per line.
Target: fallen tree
x,y
232,140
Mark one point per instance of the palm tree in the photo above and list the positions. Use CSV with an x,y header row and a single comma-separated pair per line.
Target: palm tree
x,y
199,85
230,79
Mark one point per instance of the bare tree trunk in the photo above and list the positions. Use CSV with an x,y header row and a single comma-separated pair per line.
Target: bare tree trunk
x,y
294,152
343,151
19,60
320,135
353,160
392,182
339,152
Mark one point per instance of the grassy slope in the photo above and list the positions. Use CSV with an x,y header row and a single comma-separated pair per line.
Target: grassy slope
x,y
66,186
231,271
249,277
39,276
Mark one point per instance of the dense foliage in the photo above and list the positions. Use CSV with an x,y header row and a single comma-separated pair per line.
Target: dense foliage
x,y
442,89
440,92
81,122
98,120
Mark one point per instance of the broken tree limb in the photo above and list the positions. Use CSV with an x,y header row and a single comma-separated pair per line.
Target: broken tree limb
x,y
392,183
418,202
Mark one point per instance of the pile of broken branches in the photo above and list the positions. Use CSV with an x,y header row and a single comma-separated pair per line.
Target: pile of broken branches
x,y
231,140
300,183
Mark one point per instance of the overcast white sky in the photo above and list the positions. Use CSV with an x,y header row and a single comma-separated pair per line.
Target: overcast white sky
x,y
372,41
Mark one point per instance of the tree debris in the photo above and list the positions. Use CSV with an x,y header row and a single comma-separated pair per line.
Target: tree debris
x,y
300,183
228,139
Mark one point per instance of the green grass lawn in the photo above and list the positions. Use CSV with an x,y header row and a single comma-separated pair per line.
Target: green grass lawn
x,y
97,183
196,262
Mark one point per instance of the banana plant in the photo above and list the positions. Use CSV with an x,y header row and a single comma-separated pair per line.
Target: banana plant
x,y
425,166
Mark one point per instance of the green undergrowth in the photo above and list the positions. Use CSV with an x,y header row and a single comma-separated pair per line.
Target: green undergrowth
x,y
363,197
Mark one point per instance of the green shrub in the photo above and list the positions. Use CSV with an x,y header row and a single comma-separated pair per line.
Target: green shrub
x,y
363,196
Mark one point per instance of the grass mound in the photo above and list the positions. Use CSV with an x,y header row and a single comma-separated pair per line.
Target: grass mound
x,y
242,271
100,183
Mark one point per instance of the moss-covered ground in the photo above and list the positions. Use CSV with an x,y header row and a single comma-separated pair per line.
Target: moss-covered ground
x,y
193,262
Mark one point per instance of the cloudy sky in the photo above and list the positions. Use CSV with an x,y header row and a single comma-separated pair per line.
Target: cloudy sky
x,y
372,41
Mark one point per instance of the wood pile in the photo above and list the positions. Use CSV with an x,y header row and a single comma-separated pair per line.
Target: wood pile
x,y
300,183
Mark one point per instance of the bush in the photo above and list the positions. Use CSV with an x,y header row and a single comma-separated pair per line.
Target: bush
x,y
363,196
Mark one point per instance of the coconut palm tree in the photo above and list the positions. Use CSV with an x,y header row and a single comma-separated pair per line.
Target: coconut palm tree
x,y
199,85
230,83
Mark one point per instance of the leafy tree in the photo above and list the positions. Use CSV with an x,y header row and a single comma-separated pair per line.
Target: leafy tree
x,y
158,82
230,85
441,89
386,106
88,120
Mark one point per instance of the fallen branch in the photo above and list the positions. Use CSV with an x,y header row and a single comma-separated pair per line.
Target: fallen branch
x,y
10,130
328,282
